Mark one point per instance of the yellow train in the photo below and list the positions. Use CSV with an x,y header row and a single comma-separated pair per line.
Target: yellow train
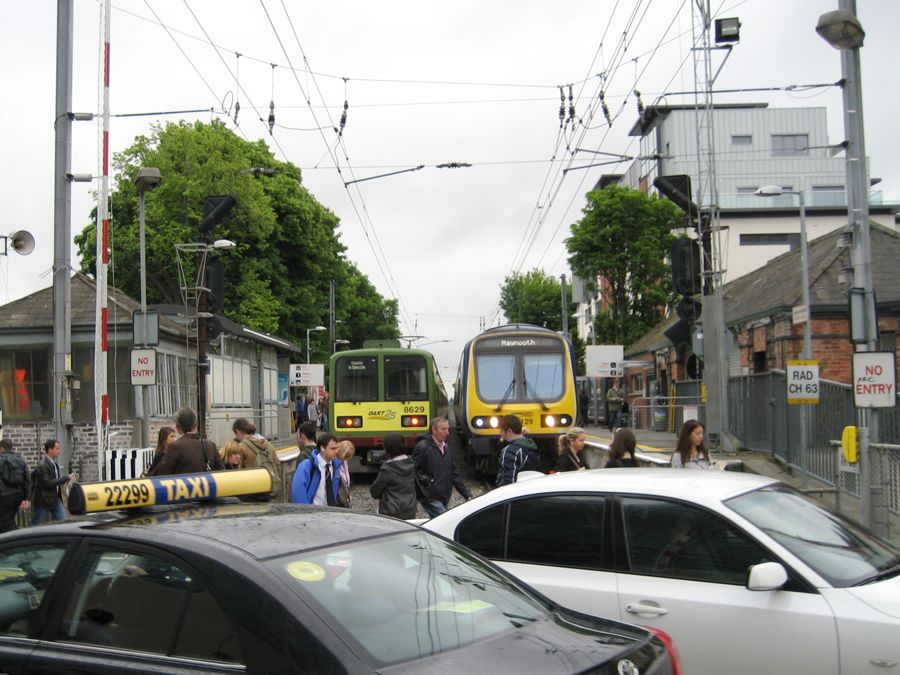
x,y
517,369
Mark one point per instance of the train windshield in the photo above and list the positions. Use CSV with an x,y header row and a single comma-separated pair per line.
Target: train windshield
x,y
405,378
520,370
356,379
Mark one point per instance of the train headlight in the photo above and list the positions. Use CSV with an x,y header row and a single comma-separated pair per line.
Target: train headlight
x,y
478,422
549,421
349,422
415,421
554,421
495,422
564,420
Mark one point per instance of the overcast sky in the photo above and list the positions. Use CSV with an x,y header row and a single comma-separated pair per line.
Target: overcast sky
x,y
427,83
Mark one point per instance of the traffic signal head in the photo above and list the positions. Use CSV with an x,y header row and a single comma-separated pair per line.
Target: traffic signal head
x,y
214,209
678,190
686,266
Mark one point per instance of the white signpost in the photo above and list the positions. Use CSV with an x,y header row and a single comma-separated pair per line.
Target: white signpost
x,y
803,381
605,360
307,375
874,379
143,366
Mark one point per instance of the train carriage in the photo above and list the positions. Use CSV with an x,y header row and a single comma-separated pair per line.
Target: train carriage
x,y
517,369
377,391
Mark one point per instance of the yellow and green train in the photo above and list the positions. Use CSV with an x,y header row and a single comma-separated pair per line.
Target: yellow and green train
x,y
518,369
377,391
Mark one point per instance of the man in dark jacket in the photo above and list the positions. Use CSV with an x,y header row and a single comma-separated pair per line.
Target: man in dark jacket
x,y
434,465
395,485
15,485
46,502
519,454
189,453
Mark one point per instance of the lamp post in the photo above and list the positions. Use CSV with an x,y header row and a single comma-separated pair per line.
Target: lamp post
x,y
775,191
339,342
308,331
843,31
148,179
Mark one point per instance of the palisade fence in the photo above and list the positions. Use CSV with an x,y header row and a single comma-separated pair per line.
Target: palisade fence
x,y
761,419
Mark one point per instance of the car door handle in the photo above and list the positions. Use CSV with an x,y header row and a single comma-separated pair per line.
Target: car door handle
x,y
641,608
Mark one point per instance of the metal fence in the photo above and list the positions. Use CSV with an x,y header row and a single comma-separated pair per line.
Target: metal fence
x,y
761,418
664,413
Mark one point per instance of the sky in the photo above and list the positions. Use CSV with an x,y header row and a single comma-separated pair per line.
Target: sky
x,y
426,83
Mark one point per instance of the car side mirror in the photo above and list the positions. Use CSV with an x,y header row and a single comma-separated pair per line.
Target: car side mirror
x,y
768,576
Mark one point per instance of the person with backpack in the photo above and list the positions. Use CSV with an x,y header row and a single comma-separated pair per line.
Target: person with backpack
x,y
395,485
15,485
260,454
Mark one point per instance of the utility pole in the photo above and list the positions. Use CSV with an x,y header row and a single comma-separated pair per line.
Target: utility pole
x,y
62,233
565,305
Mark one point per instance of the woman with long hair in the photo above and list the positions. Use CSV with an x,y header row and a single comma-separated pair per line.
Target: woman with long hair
x,y
569,447
691,451
163,441
621,450
346,452
233,455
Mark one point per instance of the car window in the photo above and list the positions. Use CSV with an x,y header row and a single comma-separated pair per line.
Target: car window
x,y
143,602
681,541
558,530
25,573
408,596
483,532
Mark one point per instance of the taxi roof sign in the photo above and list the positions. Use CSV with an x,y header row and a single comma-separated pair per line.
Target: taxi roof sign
x,y
166,490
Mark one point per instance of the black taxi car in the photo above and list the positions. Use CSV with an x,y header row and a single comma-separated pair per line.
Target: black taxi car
x,y
279,588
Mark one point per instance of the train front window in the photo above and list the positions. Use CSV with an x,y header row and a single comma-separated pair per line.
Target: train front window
x,y
356,379
405,378
495,373
543,376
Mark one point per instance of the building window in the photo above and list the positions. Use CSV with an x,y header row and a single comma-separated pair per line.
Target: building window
x,y
828,195
741,139
174,386
791,239
25,383
790,145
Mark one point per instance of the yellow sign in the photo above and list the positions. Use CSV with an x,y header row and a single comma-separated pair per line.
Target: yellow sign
x,y
175,489
306,571
848,445
803,381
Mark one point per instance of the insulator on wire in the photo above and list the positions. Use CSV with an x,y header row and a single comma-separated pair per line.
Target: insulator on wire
x,y
343,122
237,109
271,116
640,104
562,108
571,106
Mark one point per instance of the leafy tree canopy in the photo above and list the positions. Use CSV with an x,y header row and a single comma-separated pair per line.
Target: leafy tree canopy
x,y
624,238
288,248
536,298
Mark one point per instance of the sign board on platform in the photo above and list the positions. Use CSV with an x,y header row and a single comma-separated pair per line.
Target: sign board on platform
x,y
874,379
799,314
143,367
307,375
605,360
803,381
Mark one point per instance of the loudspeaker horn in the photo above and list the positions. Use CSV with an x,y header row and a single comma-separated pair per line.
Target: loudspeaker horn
x,y
22,242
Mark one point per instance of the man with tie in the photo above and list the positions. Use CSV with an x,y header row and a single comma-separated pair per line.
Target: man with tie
x,y
48,479
308,486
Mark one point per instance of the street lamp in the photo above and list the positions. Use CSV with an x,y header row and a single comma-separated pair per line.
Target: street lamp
x,y
308,331
339,342
148,179
843,31
776,191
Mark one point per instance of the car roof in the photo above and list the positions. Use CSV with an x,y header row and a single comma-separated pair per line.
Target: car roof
x,y
261,530
697,485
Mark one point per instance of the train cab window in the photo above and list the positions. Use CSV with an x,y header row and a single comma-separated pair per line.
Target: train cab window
x,y
405,378
544,374
356,379
496,376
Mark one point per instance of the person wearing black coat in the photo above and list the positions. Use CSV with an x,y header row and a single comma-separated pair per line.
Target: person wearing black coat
x,y
46,503
395,485
15,485
189,453
435,467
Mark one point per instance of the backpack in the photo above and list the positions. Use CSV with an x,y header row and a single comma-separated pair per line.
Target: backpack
x,y
266,459
12,472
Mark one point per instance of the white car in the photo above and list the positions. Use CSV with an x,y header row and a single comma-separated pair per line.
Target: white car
x,y
743,572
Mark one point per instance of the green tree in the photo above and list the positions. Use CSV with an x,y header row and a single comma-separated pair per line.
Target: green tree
x,y
288,249
624,238
534,297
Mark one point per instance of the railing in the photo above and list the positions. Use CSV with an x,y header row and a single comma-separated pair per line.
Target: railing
x,y
664,413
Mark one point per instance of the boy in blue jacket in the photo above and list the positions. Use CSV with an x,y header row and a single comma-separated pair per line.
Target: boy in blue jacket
x,y
308,486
